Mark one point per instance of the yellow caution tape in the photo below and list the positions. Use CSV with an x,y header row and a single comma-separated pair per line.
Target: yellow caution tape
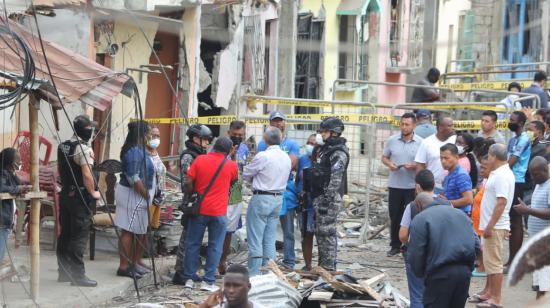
x,y
328,104
488,85
295,119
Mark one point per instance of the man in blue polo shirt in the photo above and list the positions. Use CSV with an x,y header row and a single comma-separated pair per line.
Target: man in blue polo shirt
x,y
519,153
457,184
287,214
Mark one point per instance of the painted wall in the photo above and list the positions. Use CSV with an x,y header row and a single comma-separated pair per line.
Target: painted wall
x,y
133,53
449,14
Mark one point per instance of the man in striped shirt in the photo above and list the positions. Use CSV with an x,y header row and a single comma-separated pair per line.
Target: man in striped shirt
x,y
540,215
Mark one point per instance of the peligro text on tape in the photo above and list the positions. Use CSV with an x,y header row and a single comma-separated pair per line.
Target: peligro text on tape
x,y
295,119
487,85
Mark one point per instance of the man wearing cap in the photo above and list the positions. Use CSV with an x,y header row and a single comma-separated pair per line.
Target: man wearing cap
x,y
77,200
287,214
424,126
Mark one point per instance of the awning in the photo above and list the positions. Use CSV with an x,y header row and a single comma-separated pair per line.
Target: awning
x,y
357,7
77,78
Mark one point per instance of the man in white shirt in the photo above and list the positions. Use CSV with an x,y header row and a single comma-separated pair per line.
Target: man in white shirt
x,y
268,172
428,154
495,221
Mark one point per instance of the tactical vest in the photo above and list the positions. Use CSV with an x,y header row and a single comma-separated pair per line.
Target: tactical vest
x,y
65,157
322,170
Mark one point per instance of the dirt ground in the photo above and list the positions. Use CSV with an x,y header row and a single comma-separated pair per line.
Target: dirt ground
x,y
373,257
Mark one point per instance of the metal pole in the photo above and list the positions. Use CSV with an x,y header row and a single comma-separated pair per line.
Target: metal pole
x,y
34,106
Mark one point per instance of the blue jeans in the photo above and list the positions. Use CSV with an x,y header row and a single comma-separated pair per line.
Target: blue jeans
x,y
4,235
287,224
217,226
261,227
416,287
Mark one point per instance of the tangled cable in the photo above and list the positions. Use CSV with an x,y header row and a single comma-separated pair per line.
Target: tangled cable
x,y
11,98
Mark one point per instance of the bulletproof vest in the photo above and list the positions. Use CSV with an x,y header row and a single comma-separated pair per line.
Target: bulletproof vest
x,y
65,157
191,149
322,170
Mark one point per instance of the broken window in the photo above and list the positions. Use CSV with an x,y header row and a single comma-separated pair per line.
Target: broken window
x,y
415,37
519,33
347,56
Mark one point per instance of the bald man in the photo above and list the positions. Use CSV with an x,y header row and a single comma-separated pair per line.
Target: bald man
x,y
540,215
442,249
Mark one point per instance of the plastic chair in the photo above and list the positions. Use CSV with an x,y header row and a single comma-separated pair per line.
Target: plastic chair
x,y
23,144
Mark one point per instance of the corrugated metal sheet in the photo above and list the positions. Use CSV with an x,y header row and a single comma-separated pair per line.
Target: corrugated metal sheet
x,y
76,77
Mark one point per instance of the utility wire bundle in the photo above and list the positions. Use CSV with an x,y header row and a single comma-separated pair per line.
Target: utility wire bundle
x,y
11,98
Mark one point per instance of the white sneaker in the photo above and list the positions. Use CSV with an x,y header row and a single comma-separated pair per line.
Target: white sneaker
x,y
209,287
189,284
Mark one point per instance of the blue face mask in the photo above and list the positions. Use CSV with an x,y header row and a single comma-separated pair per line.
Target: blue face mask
x,y
308,149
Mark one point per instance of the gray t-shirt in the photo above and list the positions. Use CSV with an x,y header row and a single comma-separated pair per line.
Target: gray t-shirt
x,y
425,130
402,152
424,95
496,136
539,200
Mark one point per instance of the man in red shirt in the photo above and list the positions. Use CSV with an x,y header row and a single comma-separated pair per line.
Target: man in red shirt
x,y
212,214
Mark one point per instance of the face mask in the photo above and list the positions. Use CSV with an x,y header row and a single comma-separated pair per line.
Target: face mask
x,y
236,140
154,143
461,149
308,149
513,126
319,139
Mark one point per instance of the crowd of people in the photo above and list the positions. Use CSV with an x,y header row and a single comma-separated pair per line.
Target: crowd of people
x,y
455,198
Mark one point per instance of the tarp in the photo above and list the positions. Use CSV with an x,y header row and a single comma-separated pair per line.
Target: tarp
x,y
77,78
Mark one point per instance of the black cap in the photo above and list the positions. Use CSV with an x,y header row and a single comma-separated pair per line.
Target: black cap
x,y
82,121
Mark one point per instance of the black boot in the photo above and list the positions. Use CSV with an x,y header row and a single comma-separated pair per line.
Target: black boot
x,y
84,282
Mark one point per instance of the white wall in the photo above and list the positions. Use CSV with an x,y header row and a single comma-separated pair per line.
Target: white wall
x,y
449,12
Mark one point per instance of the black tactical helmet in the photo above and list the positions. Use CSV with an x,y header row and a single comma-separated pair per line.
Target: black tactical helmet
x,y
333,124
201,131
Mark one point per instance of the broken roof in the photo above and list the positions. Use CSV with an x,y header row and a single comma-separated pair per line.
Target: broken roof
x,y
77,78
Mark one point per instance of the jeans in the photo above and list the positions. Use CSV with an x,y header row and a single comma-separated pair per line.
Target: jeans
x,y
397,201
287,224
261,227
4,235
416,287
217,226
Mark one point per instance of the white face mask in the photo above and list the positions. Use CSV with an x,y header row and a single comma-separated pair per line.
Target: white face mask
x,y
154,143
308,149
461,149
319,139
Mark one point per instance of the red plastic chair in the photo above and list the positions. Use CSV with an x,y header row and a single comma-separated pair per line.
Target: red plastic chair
x,y
23,144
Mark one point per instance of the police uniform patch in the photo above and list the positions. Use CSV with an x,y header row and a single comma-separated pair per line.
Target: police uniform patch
x,y
338,166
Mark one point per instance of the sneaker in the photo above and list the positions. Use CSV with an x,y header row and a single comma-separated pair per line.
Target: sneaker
x,y
209,287
189,284
393,252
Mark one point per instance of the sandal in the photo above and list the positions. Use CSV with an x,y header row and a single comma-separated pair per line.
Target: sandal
x,y
476,298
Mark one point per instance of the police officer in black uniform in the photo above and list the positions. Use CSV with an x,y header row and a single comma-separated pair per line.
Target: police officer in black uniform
x,y
329,185
199,137
78,197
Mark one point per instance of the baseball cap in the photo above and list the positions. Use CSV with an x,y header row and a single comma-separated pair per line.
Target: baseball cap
x,y
83,121
423,113
276,115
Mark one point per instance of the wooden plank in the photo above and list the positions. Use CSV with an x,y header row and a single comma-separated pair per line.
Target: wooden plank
x,y
27,196
375,279
371,292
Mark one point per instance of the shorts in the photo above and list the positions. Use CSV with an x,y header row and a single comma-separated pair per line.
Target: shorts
x,y
234,212
541,279
306,221
492,252
519,190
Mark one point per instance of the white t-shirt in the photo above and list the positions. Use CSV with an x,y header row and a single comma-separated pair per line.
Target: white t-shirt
x,y
500,184
429,153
